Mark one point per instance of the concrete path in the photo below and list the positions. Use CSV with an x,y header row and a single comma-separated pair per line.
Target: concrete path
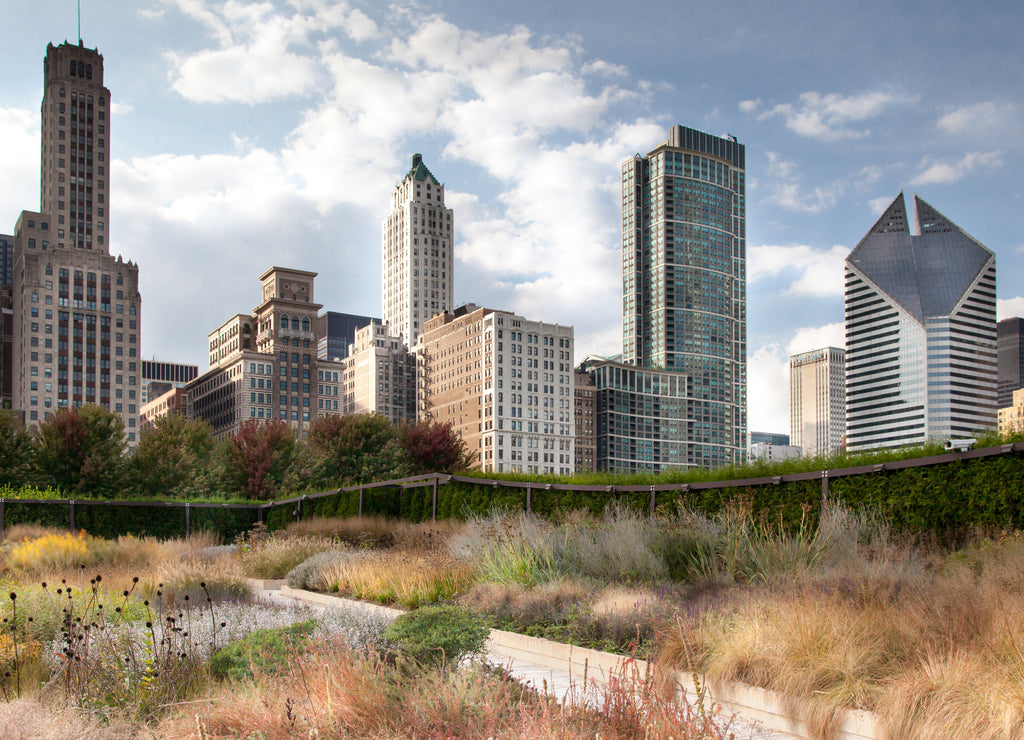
x,y
559,684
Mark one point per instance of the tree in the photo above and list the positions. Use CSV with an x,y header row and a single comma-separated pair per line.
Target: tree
x,y
257,457
15,451
357,448
81,452
433,447
174,457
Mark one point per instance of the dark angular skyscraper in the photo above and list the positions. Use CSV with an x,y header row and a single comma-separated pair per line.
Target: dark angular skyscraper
x,y
920,332
1010,339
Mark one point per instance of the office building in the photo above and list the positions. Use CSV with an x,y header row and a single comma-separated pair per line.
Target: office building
x,y
172,401
684,287
817,400
336,331
772,438
769,452
920,332
418,254
264,365
585,413
1010,348
379,375
1011,416
6,320
160,377
76,309
6,260
505,384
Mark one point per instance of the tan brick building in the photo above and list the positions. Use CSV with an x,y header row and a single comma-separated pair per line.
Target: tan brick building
x,y
1011,418
379,375
505,383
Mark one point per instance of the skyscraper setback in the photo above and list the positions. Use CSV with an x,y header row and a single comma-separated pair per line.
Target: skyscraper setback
x,y
418,252
77,310
684,283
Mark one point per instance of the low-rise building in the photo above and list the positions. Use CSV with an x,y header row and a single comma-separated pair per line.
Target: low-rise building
x,y
1011,418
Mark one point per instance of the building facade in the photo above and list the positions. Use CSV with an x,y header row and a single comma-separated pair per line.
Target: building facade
x,y
379,375
265,365
585,413
418,254
773,438
817,400
171,401
160,377
76,309
1010,348
920,332
336,331
505,384
684,284
1011,417
768,452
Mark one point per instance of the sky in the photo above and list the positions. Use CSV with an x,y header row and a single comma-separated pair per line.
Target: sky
x,y
250,134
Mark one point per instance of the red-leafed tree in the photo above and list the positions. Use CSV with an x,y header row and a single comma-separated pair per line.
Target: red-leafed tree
x,y
256,458
432,447
81,452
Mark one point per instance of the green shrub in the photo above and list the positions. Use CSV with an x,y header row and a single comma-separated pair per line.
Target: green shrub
x,y
264,651
438,636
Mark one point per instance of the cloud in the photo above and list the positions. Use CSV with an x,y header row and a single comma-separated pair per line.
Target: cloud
x,y
935,172
19,176
768,375
878,205
827,117
784,189
1008,308
981,119
814,272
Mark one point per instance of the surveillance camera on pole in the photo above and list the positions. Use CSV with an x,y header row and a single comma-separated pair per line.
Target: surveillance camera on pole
x,y
960,445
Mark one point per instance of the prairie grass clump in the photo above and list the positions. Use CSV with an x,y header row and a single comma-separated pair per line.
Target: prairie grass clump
x,y
273,557
408,579
196,579
508,548
56,551
312,573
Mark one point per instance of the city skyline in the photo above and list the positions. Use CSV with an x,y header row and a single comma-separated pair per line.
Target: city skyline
x,y
274,134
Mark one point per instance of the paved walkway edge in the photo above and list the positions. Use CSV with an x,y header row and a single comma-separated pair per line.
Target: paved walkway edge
x,y
770,710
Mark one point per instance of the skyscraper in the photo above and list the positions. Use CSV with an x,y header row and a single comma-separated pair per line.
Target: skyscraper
x,y
920,332
418,254
817,400
684,283
1010,341
77,310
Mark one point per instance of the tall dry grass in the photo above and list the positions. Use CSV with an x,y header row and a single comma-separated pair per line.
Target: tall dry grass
x,y
377,532
407,579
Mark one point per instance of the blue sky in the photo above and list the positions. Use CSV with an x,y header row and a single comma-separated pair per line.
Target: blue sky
x,y
250,134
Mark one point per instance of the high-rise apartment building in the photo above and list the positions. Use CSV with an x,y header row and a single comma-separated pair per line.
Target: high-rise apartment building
x,y
817,400
585,414
76,309
418,254
265,365
920,332
684,284
380,375
6,260
505,384
1010,346
6,319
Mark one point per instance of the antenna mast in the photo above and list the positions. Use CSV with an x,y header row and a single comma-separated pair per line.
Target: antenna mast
x,y
79,22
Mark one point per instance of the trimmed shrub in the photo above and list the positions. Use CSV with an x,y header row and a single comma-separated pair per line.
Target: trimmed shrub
x,y
438,636
265,651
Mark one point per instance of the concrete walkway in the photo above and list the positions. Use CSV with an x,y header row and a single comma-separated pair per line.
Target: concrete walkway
x,y
560,684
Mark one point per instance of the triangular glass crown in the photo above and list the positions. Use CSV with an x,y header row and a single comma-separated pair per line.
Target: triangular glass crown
x,y
926,273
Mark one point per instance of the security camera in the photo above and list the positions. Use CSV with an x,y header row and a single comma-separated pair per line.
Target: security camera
x,y
959,445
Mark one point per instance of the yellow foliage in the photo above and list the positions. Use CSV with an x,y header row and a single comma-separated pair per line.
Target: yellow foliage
x,y
53,551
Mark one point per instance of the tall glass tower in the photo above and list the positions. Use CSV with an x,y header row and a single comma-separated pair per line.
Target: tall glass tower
x,y
684,283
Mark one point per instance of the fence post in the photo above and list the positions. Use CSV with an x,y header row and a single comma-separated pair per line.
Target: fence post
x,y
1,516
188,519
652,501
433,514
529,497
71,526
361,502
824,488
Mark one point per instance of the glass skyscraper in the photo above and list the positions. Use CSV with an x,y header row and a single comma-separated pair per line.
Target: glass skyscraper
x,y
684,284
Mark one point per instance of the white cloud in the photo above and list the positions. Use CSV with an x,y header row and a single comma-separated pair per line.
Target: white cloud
x,y
1007,308
878,205
827,117
768,375
981,119
936,172
19,175
784,189
816,272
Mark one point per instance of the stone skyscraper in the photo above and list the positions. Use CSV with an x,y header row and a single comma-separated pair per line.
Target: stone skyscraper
x,y
418,254
920,332
684,285
77,322
817,401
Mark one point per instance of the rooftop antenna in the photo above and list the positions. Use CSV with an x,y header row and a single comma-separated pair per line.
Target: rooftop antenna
x,y
79,22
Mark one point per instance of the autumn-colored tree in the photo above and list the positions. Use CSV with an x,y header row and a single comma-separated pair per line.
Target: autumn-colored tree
x,y
357,448
433,447
256,458
81,452
174,457
15,451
